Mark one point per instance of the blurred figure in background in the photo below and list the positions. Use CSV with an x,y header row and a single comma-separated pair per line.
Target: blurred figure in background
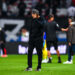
x,y
21,7
71,22
2,43
54,7
13,9
73,1
39,6
47,10
24,37
68,3
71,10
0,8
3,8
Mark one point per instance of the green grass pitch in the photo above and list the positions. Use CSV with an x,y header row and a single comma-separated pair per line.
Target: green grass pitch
x,y
15,65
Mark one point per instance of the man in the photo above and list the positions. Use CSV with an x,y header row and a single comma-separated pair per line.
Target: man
x,y
51,28
2,42
35,39
70,21
70,51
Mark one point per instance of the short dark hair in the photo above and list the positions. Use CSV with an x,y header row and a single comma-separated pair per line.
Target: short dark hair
x,y
72,18
50,16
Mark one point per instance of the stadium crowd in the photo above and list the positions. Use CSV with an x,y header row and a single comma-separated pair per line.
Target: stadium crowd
x,y
22,8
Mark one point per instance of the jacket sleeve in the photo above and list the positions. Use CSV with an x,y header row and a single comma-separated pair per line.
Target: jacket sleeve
x,y
41,22
28,25
70,35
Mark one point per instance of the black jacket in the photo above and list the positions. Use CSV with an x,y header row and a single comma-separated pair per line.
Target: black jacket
x,y
71,34
36,29
2,36
51,28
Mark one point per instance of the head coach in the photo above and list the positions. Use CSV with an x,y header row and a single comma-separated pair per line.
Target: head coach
x,y
35,39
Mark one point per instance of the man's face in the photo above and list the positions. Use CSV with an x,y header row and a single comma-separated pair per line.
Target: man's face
x,y
69,21
51,19
23,31
34,16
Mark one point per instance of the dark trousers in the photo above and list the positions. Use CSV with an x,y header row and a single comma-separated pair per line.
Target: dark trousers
x,y
38,45
71,51
2,46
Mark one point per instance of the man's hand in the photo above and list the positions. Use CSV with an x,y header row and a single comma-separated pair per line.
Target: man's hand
x,y
69,44
64,29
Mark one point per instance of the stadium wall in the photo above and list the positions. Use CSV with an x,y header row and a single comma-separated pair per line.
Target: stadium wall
x,y
12,28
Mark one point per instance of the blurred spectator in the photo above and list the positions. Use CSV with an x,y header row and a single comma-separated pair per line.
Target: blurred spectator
x,y
18,7
40,5
47,10
63,3
73,1
54,7
4,8
2,42
13,9
24,37
71,10
22,7
51,3
48,2
0,8
34,2
68,3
